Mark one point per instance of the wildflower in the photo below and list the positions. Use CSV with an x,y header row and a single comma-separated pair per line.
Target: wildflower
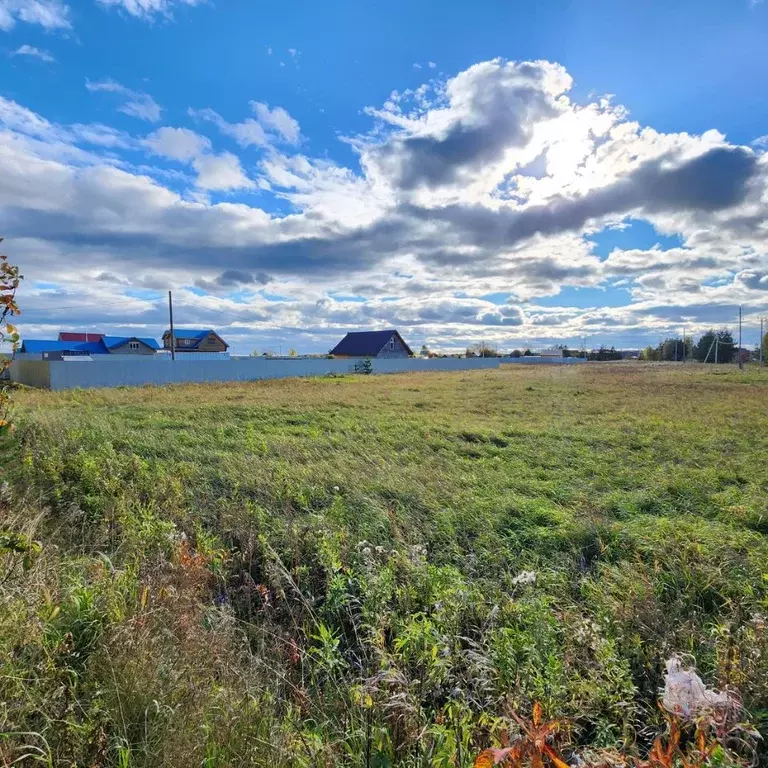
x,y
525,577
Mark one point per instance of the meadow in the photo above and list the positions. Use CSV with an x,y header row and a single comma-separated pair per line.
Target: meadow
x,y
378,570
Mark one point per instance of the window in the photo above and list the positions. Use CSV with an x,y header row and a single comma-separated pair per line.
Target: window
x,y
133,345
392,344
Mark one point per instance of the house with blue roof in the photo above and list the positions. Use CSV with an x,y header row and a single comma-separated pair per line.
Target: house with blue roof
x,y
372,344
194,340
72,345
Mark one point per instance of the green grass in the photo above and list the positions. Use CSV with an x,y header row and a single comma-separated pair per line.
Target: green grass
x,y
323,571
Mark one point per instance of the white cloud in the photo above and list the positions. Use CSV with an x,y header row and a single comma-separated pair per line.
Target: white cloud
x,y
148,9
30,50
49,14
431,64
270,125
137,103
221,172
416,65
246,134
177,143
277,120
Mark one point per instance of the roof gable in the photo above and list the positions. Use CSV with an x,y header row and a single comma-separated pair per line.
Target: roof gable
x,y
113,342
195,334
189,333
366,343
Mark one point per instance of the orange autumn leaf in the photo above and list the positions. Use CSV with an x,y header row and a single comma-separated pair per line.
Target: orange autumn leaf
x,y
488,758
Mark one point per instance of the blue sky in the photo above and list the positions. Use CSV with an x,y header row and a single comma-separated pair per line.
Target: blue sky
x,y
294,171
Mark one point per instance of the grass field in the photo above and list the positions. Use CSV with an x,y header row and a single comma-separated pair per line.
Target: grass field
x,y
378,570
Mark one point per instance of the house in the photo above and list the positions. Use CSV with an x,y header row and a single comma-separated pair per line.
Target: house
x,y
54,349
105,345
372,344
551,353
194,340
129,345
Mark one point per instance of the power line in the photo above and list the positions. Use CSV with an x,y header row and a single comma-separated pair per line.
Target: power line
x,y
87,306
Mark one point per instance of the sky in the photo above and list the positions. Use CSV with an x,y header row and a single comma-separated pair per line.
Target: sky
x,y
513,173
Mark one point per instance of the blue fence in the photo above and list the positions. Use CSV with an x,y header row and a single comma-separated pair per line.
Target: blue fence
x,y
132,371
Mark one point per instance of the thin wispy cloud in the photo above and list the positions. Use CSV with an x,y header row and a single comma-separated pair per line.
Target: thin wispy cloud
x,y
49,14
148,9
36,53
270,125
136,103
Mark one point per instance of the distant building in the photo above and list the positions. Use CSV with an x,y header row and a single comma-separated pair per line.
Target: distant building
x,y
550,353
52,349
194,340
372,344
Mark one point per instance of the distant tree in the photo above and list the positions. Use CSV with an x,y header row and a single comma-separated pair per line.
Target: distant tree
x,y
481,349
516,353
527,353
424,351
9,283
705,347
255,353
715,346
292,352
673,349
566,352
364,366
725,347
650,353
604,354
765,347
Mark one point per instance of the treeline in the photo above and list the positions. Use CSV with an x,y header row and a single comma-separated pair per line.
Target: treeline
x,y
712,347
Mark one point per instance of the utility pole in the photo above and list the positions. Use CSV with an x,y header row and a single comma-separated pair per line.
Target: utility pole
x,y
741,363
706,359
170,318
717,341
761,342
